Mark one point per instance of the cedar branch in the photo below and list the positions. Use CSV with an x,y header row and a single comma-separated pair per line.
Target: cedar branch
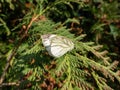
x,y
16,48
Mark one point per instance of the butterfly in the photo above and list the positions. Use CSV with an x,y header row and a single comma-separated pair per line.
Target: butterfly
x,y
56,45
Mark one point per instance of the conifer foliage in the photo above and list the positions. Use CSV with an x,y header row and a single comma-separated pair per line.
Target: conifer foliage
x,y
86,67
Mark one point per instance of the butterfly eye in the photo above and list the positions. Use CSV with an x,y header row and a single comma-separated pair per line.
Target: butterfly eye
x,y
57,46
45,36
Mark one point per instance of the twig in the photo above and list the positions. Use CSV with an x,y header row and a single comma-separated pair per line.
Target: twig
x,y
7,65
15,49
10,84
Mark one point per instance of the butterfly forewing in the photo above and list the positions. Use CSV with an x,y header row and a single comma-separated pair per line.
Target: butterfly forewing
x,y
61,41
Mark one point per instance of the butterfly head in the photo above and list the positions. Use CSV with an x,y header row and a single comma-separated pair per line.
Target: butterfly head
x,y
46,39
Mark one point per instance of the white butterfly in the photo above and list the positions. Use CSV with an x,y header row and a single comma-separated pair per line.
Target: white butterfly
x,y
56,45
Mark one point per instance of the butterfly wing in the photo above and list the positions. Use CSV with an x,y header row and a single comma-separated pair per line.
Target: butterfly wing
x,y
60,45
57,51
